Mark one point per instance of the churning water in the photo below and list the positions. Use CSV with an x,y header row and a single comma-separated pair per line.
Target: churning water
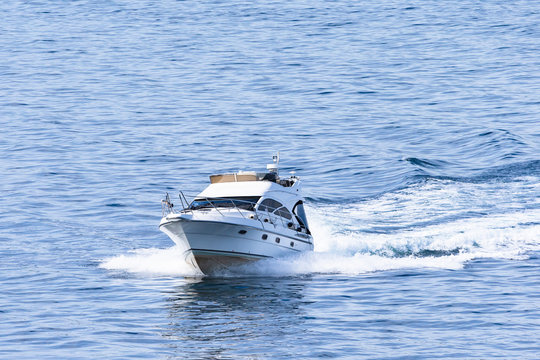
x,y
415,129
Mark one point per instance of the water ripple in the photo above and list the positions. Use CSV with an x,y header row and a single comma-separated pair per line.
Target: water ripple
x,y
414,127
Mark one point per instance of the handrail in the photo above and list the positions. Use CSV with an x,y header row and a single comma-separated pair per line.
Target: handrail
x,y
234,205
182,196
214,206
268,212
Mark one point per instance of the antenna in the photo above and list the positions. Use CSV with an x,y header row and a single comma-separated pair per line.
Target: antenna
x,y
274,168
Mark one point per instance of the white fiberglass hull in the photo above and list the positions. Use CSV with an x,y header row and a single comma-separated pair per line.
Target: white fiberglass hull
x,y
213,245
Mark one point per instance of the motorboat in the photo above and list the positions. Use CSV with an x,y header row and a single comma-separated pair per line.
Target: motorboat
x,y
239,218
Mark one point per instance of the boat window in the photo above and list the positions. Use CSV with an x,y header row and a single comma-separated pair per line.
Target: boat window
x,y
275,207
283,212
300,215
269,205
241,202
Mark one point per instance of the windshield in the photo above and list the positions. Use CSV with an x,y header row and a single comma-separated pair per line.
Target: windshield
x,y
241,202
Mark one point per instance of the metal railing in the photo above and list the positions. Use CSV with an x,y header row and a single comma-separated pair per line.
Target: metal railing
x,y
263,216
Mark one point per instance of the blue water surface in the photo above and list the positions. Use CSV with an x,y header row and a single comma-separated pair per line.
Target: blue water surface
x,y
414,126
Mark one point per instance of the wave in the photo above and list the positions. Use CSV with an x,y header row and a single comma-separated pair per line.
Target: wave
x,y
502,173
425,163
440,223
375,184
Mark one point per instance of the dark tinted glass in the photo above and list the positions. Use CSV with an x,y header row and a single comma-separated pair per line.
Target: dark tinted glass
x,y
246,203
298,210
269,205
283,212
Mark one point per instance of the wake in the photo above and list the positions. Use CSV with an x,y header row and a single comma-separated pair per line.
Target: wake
x,y
439,224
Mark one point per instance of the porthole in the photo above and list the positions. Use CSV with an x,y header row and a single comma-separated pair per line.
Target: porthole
x,y
292,243
242,232
278,240
264,237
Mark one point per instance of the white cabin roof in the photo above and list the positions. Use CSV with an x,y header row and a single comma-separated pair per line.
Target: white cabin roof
x,y
248,188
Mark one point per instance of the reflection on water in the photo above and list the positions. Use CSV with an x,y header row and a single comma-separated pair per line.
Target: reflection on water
x,y
237,317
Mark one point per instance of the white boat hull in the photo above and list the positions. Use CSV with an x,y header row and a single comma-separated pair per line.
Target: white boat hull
x,y
213,245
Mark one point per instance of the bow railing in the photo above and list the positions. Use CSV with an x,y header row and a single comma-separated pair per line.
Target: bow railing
x,y
245,208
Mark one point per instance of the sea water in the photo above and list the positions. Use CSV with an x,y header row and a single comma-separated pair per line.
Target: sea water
x,y
414,127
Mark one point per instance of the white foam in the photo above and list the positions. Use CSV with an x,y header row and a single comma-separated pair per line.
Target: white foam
x,y
358,263
439,224
169,262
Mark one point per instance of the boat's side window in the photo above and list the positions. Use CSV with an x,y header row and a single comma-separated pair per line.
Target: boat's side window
x,y
283,212
275,207
269,205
